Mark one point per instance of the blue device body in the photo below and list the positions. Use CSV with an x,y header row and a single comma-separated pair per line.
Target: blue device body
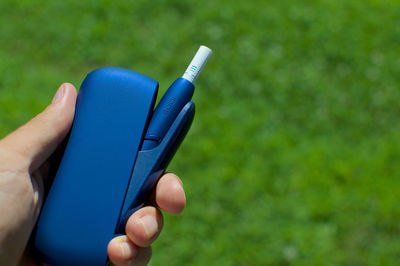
x,y
104,174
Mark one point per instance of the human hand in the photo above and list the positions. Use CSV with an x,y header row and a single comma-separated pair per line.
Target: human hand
x,y
24,167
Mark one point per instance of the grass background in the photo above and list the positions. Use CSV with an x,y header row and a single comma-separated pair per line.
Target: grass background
x,y
294,154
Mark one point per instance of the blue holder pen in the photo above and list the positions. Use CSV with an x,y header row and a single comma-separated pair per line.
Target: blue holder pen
x,y
104,176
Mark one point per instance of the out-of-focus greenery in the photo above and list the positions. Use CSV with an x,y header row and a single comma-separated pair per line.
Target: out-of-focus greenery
x,y
294,154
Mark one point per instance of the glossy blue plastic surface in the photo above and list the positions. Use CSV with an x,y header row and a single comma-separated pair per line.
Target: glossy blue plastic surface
x,y
150,164
177,96
83,207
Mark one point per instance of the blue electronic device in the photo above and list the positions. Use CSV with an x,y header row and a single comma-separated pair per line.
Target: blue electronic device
x,y
117,149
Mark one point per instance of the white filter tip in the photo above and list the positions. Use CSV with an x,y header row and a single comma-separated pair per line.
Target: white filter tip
x,y
197,64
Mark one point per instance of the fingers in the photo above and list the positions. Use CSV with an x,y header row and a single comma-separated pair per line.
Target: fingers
x,y
142,229
35,141
144,226
122,251
170,195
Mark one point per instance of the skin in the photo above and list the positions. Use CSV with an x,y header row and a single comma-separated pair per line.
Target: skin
x,y
24,164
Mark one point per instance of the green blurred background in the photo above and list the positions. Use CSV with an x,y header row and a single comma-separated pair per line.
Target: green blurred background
x,y
294,154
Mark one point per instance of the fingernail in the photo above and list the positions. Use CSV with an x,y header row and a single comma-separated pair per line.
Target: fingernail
x,y
126,250
59,94
150,225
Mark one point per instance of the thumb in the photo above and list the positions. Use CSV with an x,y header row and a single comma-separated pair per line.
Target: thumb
x,y
35,141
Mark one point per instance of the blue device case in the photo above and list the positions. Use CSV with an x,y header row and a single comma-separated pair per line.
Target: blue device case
x,y
103,176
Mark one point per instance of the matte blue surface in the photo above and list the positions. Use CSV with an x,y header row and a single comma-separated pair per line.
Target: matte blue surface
x,y
83,206
176,97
